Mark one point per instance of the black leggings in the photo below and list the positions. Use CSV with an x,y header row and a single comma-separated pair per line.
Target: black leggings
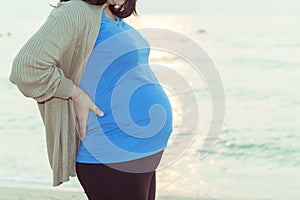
x,y
102,182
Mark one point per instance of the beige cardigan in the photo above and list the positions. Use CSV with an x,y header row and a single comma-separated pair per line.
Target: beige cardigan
x,y
45,69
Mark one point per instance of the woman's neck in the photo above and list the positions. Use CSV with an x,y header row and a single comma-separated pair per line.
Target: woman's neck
x,y
109,14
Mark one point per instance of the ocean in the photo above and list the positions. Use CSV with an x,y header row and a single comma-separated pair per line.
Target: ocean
x,y
256,156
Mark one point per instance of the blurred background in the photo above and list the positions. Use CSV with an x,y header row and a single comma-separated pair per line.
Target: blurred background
x,y
255,46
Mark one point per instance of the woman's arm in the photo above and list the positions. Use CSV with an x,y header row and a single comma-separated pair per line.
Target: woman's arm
x,y
35,69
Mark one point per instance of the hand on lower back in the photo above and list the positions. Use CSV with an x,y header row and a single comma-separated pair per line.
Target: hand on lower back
x,y
82,105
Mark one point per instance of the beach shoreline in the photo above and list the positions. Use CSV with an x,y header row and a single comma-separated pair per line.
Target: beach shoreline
x,y
8,192
29,192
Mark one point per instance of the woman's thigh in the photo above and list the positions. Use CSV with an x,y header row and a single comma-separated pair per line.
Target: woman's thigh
x,y
105,182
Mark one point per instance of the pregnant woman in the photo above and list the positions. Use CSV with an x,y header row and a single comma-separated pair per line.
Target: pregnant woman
x,y
120,151
122,115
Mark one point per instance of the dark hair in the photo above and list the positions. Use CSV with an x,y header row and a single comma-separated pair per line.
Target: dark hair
x,y
128,8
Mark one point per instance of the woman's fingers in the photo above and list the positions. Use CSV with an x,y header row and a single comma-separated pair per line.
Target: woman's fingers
x,y
83,103
84,118
82,125
97,110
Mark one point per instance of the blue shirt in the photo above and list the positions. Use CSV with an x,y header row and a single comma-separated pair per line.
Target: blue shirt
x,y
137,119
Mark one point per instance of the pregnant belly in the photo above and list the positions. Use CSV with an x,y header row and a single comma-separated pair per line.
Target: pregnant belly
x,y
142,113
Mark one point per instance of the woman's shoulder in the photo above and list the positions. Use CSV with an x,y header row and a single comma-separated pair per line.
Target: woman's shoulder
x,y
73,5
75,10
75,15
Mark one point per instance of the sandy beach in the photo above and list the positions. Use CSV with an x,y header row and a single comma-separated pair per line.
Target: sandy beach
x,y
24,193
31,193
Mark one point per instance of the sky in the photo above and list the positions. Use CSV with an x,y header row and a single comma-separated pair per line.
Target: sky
x,y
30,8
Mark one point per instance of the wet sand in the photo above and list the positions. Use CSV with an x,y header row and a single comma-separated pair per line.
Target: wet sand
x,y
30,193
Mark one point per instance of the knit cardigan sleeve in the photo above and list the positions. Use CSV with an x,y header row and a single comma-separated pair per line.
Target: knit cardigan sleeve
x,y
36,68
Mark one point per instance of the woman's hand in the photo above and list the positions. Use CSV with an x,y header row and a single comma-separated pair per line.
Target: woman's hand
x,y
82,105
